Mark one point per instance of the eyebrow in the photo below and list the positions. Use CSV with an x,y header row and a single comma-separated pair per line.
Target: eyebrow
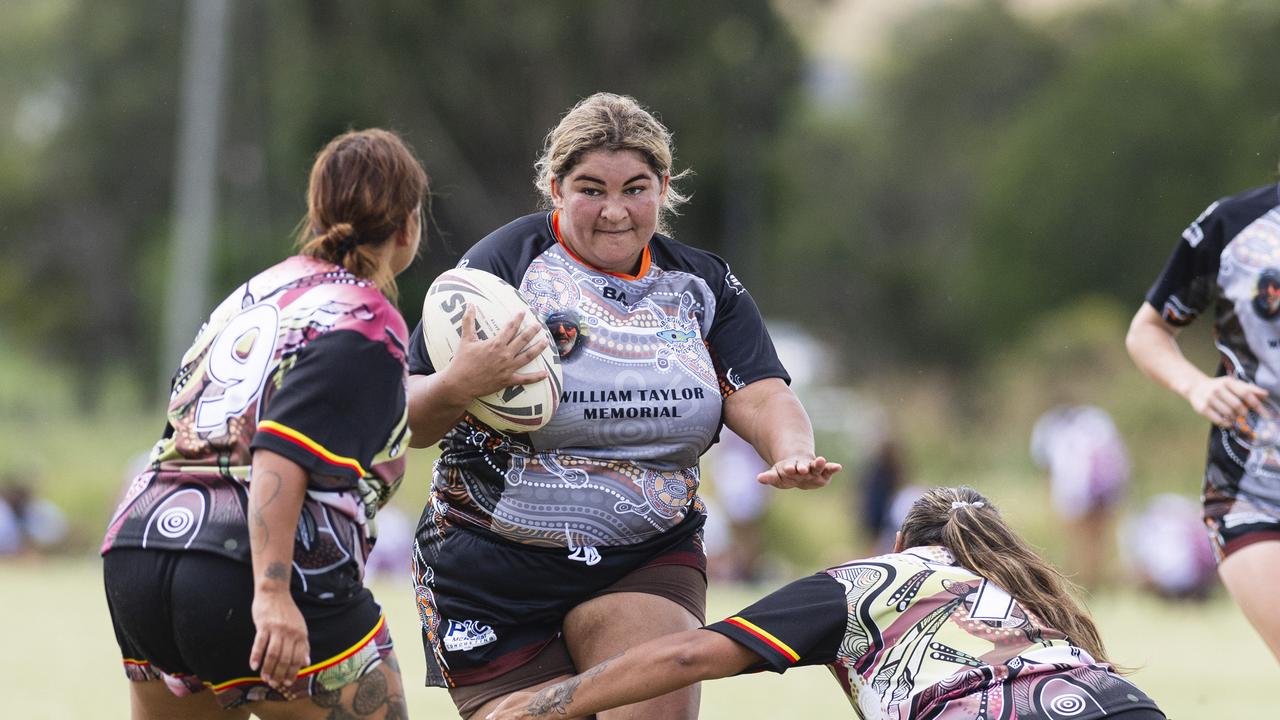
x,y
598,181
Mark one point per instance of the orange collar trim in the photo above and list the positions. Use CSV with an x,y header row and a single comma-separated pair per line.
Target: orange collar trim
x,y
645,259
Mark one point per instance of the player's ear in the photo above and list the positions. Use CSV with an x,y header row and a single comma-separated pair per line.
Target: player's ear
x,y
897,542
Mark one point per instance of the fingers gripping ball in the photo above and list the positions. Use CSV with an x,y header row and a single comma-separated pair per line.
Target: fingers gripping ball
x,y
519,408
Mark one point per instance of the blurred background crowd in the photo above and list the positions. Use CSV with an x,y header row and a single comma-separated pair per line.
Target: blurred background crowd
x,y
946,209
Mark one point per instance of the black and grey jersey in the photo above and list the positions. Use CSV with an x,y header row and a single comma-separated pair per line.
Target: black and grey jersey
x,y
1228,261
647,362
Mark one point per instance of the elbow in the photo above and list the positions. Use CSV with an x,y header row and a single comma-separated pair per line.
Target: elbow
x,y
695,662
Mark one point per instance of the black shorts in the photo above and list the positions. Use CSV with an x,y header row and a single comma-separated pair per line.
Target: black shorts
x,y
489,605
186,618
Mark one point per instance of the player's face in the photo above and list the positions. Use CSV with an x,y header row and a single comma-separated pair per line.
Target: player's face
x,y
608,207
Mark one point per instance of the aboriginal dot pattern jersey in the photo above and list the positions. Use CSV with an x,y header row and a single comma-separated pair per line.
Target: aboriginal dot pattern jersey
x,y
912,635
1228,260
647,362
305,360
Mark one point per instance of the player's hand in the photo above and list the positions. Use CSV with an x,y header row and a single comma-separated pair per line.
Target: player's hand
x,y
281,648
514,707
481,367
799,471
1225,399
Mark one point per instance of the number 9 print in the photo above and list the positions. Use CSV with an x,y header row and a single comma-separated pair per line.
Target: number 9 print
x,y
238,361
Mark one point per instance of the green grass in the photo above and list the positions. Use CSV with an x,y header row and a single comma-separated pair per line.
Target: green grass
x,y
61,661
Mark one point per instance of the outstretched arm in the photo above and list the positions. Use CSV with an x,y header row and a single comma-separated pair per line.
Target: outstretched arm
x,y
767,414
646,671
1153,345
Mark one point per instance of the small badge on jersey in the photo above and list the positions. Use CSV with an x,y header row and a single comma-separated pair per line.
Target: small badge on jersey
x,y
1266,300
565,331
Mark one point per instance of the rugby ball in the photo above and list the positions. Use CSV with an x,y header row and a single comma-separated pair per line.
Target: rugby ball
x,y
519,408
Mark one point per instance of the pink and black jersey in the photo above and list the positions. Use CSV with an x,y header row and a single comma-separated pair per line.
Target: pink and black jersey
x,y
308,361
1228,261
647,361
912,635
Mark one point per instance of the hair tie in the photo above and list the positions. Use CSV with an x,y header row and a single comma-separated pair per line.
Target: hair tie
x,y
957,504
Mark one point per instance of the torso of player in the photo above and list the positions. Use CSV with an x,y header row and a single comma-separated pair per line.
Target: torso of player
x,y
194,493
642,400
1245,296
927,638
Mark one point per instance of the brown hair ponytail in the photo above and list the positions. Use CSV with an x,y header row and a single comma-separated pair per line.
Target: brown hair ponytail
x,y
966,523
364,187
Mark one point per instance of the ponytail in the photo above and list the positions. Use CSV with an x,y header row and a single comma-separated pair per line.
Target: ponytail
x,y
365,188
967,524
341,246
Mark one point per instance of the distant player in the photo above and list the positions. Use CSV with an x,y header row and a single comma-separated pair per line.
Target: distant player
x,y
1228,262
1088,468
962,621
235,561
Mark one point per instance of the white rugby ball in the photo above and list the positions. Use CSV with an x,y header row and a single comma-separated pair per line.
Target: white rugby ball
x,y
519,408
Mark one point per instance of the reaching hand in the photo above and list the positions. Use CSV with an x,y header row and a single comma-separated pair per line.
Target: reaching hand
x,y
481,367
1225,399
799,471
281,647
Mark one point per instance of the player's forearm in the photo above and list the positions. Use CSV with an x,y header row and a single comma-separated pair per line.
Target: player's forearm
x,y
768,415
277,487
1154,349
434,408
646,671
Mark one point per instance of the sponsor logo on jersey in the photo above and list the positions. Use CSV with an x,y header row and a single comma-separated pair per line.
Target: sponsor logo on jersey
x,y
468,634
734,284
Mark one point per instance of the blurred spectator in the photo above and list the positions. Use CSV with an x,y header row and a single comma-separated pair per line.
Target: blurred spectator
x,y
390,555
735,514
881,479
1088,470
28,522
1167,547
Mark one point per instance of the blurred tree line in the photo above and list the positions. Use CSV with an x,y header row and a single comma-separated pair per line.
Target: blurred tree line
x,y
998,169
992,170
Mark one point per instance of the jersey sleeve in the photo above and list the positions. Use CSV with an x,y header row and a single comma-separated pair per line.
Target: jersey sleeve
x,y
800,624
1185,288
740,344
335,408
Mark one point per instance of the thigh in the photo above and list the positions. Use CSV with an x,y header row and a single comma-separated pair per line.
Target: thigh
x,y
1252,575
152,700
491,705
604,626
378,694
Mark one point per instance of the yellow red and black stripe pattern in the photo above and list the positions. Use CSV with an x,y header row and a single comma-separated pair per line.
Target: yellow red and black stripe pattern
x,y
301,440
765,636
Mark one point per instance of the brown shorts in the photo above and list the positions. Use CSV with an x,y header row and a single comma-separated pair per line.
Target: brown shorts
x,y
684,585
1237,522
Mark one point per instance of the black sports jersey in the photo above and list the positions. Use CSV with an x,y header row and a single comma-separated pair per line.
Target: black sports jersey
x,y
912,635
649,359
306,360
1229,260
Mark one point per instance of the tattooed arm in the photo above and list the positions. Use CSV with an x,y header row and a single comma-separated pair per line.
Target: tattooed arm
x,y
645,671
276,490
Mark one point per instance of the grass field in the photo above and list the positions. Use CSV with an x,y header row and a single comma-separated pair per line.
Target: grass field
x,y
1198,661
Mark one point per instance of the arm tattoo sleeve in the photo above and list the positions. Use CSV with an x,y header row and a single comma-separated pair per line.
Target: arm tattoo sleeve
x,y
559,697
